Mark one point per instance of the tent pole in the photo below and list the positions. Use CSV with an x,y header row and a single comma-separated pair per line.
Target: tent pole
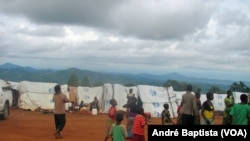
x,y
169,98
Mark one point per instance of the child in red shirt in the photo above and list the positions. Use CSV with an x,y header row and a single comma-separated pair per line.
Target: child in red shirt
x,y
111,117
138,126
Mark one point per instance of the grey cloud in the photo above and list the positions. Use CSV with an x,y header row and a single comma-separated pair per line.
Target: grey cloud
x,y
168,19
86,12
150,37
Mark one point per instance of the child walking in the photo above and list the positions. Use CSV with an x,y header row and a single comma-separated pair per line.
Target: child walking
x,y
118,130
165,116
138,126
111,118
59,110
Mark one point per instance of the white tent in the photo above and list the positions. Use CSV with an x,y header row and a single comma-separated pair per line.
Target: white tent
x,y
120,94
107,96
153,98
237,96
65,90
4,83
14,85
87,94
35,95
218,101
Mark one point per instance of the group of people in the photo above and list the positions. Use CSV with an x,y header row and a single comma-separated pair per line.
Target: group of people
x,y
190,112
134,129
59,100
236,113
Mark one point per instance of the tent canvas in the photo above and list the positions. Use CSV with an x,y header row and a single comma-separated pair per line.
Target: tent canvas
x,y
34,95
65,90
87,94
107,96
120,94
218,101
154,97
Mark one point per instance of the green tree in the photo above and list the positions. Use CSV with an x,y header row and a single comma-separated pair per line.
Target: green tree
x,y
85,82
239,87
177,86
129,85
214,89
180,86
73,80
197,89
97,84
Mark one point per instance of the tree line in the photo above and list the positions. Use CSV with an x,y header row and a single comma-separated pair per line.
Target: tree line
x,y
177,85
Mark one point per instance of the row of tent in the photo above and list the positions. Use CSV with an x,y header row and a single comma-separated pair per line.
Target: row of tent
x,y
33,95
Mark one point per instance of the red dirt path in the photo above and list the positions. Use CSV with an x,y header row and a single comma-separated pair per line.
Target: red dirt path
x,y
36,126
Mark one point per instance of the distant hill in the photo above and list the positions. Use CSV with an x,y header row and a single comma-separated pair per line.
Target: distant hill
x,y
13,66
12,72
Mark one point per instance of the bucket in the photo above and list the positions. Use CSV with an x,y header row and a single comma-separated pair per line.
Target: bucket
x,y
94,111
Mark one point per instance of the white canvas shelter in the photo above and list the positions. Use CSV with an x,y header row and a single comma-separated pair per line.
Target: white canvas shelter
x,y
35,95
64,89
237,96
218,101
120,94
153,98
4,83
107,96
87,94
14,85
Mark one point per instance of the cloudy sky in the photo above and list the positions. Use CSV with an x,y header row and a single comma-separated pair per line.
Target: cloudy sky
x,y
198,38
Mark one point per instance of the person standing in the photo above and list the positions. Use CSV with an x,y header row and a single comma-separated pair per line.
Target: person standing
x,y
138,126
207,111
131,102
94,104
240,112
59,100
165,116
229,102
111,118
198,103
118,131
81,105
131,107
188,110
178,120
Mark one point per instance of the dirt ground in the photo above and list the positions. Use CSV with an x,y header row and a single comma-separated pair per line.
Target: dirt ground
x,y
36,126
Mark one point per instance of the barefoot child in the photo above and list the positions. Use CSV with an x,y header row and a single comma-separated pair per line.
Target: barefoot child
x,y
111,118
